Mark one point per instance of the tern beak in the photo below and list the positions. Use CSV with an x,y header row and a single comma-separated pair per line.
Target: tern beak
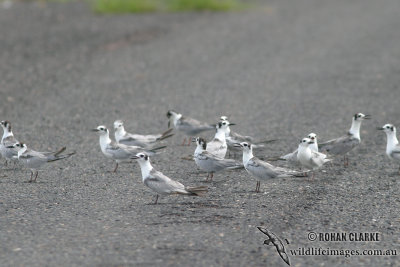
x,y
10,147
231,124
380,128
94,130
367,117
194,139
312,142
237,145
312,138
134,157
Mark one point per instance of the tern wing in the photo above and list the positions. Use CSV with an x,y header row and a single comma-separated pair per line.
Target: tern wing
x,y
193,126
340,145
292,157
33,159
395,153
219,163
241,138
163,184
30,154
260,168
141,138
119,151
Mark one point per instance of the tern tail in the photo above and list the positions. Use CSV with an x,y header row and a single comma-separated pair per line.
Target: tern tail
x,y
197,191
60,151
165,134
57,156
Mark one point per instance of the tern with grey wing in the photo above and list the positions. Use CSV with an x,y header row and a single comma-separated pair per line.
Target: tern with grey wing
x,y
118,152
123,137
162,184
190,127
345,143
34,160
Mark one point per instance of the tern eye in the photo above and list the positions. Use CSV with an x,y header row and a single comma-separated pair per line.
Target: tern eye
x,y
387,127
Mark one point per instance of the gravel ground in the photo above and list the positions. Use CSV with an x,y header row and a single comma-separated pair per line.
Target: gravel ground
x,y
280,71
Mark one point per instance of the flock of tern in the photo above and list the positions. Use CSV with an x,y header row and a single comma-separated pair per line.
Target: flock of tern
x,y
210,156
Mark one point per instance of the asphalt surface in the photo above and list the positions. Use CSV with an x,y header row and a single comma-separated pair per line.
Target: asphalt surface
x,y
281,70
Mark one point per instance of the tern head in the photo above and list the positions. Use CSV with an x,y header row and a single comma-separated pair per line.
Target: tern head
x,y
244,145
118,124
305,142
388,128
312,136
141,157
6,125
223,118
200,142
171,115
18,146
224,125
361,117
101,130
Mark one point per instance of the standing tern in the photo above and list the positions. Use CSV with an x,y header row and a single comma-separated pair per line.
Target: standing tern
x,y
342,145
162,184
123,137
116,151
34,160
188,126
392,145
309,158
211,163
291,158
217,146
7,141
262,170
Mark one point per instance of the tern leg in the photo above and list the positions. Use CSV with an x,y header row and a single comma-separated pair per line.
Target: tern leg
x,y
184,141
37,172
211,176
156,199
258,187
30,180
346,161
116,167
5,163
